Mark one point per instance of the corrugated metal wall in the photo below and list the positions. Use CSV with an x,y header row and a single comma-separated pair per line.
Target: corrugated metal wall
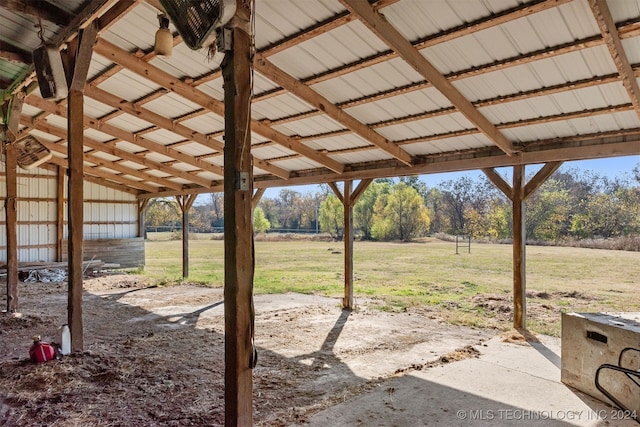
x,y
108,214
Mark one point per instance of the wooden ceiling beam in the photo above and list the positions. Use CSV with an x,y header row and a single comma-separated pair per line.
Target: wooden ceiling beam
x,y
129,137
138,66
98,161
395,40
611,37
154,118
491,158
105,178
110,148
172,125
38,9
304,92
432,40
14,54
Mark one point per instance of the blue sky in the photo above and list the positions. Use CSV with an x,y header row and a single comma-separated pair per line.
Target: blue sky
x,y
610,167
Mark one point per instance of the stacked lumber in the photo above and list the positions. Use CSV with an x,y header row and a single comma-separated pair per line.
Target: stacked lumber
x,y
128,253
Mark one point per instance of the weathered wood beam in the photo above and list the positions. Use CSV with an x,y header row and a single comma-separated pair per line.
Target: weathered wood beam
x,y
432,40
347,301
39,10
519,249
539,178
118,133
499,182
172,125
59,162
564,149
14,54
304,92
257,195
360,189
11,220
142,210
185,202
396,41
125,155
136,65
78,58
60,205
238,225
601,12
336,191
151,117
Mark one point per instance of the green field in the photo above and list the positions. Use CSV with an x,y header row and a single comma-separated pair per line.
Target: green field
x,y
471,289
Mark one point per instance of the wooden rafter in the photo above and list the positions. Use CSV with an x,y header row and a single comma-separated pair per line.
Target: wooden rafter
x,y
265,67
183,89
100,181
451,34
129,137
113,151
611,37
392,37
171,125
38,9
12,53
96,161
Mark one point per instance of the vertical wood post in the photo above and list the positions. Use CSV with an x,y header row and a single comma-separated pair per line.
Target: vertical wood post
x,y
77,59
11,213
347,301
142,210
185,202
519,248
60,213
75,214
238,230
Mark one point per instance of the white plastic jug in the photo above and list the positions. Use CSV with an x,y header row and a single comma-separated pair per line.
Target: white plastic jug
x,y
65,340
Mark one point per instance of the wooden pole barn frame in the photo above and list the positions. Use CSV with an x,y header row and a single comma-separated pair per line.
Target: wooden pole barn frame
x,y
196,127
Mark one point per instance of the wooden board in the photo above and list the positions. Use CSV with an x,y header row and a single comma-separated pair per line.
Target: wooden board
x,y
129,253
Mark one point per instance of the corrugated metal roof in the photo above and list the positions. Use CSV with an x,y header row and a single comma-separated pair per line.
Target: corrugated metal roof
x,y
539,71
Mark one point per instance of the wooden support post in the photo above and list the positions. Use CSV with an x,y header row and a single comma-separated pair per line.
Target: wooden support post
x,y
518,193
11,201
347,301
238,229
257,196
11,214
142,210
519,248
185,202
78,58
60,213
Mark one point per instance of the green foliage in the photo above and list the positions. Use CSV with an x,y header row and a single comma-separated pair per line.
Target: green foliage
x,y
331,217
400,215
364,209
163,212
260,222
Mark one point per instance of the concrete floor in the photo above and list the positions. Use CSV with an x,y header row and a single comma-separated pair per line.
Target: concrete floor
x,y
510,384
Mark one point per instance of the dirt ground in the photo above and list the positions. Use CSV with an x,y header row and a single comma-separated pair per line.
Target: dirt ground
x,y
154,356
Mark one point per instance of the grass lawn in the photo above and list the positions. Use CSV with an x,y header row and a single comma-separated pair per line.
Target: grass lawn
x,y
471,289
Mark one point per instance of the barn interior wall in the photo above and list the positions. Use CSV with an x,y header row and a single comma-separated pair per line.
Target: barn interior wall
x,y
108,214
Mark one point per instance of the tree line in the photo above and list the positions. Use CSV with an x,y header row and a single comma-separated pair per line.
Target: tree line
x,y
571,204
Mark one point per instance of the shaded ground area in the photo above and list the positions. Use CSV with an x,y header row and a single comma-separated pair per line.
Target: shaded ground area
x,y
155,356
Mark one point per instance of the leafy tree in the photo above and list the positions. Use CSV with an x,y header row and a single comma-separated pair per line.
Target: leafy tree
x,y
271,209
364,209
332,217
260,221
548,212
163,212
401,216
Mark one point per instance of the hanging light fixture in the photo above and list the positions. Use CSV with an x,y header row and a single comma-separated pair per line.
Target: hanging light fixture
x,y
164,38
